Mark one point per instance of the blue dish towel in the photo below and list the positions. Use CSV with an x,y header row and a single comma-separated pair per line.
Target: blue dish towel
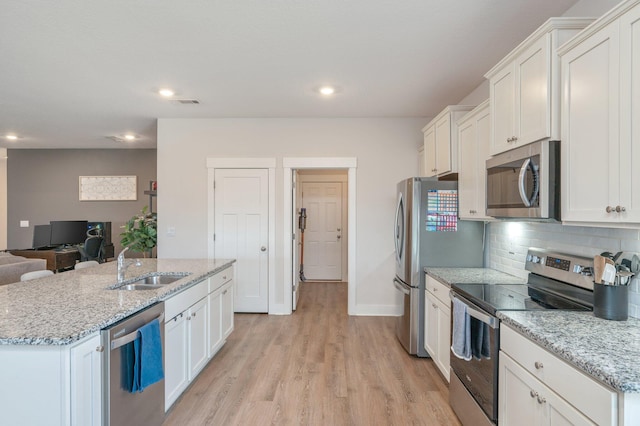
x,y
461,334
147,347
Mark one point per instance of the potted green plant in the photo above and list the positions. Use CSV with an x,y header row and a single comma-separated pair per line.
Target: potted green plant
x,y
140,232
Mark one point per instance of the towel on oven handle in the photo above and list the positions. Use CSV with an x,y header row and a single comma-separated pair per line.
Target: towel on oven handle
x,y
461,335
480,339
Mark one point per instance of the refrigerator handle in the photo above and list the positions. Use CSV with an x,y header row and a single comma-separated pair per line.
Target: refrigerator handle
x,y
400,286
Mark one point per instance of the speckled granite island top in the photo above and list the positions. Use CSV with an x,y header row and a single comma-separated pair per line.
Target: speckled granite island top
x,y
68,306
447,276
607,350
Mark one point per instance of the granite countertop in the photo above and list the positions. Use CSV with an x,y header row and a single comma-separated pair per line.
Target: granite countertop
x,y
607,350
65,307
447,276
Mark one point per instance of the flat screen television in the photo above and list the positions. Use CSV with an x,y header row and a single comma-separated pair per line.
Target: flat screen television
x,y
68,232
41,236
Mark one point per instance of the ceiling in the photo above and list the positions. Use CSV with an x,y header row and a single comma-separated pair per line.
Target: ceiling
x,y
75,72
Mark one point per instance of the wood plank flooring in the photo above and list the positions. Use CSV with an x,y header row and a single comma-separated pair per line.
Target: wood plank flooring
x,y
316,367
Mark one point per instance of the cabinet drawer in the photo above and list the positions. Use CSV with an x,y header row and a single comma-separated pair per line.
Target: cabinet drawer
x,y
183,300
439,290
596,401
220,278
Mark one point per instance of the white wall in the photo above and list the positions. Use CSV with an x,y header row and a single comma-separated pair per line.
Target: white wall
x,y
3,198
593,8
385,149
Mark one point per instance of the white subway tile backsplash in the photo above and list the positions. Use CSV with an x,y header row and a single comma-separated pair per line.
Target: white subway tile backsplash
x,y
507,244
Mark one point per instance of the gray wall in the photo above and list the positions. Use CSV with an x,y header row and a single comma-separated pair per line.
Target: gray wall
x,y
42,185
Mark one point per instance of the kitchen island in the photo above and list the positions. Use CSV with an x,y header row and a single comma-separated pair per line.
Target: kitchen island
x,y
50,344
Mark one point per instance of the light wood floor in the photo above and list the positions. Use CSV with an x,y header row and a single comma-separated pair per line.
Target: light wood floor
x,y
316,367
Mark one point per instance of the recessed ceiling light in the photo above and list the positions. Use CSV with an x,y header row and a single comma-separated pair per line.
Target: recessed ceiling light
x,y
327,90
167,93
130,137
12,137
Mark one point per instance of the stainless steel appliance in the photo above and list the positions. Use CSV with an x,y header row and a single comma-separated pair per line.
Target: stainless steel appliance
x,y
556,281
427,233
525,182
122,407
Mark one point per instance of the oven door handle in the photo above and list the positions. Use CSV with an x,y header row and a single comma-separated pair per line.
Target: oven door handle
x,y
491,321
400,286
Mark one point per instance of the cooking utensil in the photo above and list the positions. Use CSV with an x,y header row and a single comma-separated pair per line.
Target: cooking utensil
x,y
609,274
623,277
598,268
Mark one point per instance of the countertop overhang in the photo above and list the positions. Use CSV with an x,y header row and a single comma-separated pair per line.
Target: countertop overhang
x,y
68,306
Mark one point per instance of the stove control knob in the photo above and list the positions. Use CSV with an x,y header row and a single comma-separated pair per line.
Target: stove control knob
x,y
577,269
535,259
529,257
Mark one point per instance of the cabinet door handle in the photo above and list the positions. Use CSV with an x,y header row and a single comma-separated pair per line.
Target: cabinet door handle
x,y
434,306
189,318
620,209
533,393
538,365
193,315
609,209
224,277
541,399
100,348
224,292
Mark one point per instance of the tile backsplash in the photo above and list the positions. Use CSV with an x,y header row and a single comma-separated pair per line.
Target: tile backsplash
x,y
507,244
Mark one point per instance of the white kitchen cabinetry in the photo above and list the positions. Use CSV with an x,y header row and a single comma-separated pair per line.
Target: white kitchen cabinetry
x,y
227,309
437,330
422,169
524,88
537,388
441,141
198,320
474,132
86,382
600,146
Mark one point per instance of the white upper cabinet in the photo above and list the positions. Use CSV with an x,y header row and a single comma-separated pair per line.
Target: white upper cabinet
x,y
473,139
524,88
441,141
601,121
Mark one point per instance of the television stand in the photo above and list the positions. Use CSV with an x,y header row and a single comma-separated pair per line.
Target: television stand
x,y
56,260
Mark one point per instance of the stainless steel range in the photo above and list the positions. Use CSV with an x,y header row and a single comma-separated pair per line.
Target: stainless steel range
x,y
556,281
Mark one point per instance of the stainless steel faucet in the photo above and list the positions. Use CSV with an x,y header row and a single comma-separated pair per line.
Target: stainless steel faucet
x,y
121,265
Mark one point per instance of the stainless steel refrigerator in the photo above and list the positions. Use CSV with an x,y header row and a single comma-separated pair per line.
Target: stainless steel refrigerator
x,y
427,232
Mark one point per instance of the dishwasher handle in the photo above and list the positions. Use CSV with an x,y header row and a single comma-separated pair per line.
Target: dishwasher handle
x,y
128,338
401,286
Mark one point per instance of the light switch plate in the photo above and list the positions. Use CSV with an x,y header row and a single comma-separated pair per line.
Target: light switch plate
x,y
24,224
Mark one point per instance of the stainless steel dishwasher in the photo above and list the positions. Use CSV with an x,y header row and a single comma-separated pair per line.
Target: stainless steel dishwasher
x,y
121,407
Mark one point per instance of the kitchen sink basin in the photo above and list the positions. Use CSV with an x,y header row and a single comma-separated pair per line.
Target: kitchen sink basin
x,y
151,282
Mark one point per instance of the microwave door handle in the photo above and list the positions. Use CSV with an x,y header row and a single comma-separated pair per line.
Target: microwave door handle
x,y
521,182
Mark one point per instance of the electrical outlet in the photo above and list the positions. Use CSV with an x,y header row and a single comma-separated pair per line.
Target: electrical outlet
x,y
24,224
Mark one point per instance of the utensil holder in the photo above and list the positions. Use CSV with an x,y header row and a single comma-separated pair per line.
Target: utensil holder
x,y
611,302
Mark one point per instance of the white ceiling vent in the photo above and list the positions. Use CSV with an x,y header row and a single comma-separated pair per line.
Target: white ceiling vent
x,y
186,101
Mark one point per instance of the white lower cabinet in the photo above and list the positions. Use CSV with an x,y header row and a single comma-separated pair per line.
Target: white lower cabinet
x,y
198,320
198,337
176,374
437,330
538,388
227,309
86,382
526,401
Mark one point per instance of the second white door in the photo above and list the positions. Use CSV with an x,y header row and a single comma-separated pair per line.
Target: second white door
x,y
323,235
241,228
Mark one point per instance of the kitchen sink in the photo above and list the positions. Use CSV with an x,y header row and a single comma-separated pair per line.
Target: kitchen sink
x,y
151,282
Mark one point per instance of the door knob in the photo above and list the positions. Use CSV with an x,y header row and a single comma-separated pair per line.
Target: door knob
x,y
263,248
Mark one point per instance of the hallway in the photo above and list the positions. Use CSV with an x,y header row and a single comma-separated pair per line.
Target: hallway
x,y
316,367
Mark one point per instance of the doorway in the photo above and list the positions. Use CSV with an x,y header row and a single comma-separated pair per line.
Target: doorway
x,y
323,195
295,168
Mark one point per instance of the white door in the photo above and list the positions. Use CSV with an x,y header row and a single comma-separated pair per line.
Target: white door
x,y
241,232
323,235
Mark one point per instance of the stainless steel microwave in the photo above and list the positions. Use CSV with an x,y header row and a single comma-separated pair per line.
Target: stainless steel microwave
x,y
525,182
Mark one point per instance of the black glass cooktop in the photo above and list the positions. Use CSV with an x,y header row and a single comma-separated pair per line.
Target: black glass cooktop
x,y
513,297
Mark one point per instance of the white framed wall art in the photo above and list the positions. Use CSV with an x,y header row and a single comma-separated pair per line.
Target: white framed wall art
x,y
108,188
